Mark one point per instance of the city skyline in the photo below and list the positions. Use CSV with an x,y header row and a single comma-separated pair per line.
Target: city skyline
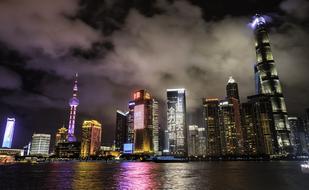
x,y
42,95
154,94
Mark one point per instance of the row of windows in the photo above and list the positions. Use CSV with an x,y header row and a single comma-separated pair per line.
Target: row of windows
x,y
264,54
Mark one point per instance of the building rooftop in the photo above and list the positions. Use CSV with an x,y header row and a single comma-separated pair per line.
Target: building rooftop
x,y
231,80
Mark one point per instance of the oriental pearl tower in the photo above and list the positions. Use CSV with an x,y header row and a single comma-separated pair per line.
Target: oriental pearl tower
x,y
74,102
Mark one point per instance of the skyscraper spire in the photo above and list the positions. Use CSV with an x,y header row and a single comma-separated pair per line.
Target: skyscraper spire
x,y
231,80
74,102
232,89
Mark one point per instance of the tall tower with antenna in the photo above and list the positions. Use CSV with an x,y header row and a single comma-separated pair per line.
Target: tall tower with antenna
x,y
74,102
268,84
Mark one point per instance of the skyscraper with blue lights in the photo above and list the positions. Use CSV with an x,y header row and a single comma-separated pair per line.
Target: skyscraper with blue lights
x,y
8,134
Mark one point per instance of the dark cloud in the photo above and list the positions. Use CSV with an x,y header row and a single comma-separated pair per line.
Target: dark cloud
x,y
297,8
49,27
177,43
29,100
9,79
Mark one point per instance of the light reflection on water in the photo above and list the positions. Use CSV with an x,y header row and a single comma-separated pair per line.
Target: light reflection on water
x,y
139,175
147,175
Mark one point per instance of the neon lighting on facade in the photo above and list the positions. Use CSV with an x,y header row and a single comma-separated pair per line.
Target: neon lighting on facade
x,y
258,20
139,117
8,134
74,102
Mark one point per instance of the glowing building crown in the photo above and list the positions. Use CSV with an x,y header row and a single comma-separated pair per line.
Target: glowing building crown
x,y
258,20
231,80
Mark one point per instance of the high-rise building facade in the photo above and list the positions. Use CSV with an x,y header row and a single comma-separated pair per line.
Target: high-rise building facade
x,y
9,132
145,122
233,99
155,125
211,123
196,141
165,143
61,135
40,144
268,83
263,124
193,140
121,132
201,145
130,122
251,132
230,129
297,136
306,128
176,122
27,149
91,138
74,102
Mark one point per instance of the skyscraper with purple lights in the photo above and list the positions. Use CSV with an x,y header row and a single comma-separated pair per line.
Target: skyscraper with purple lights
x,y
74,102
8,134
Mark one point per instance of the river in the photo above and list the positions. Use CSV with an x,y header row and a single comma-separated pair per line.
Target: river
x,y
234,175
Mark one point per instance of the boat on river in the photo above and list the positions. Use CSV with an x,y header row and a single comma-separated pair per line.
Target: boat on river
x,y
305,167
169,159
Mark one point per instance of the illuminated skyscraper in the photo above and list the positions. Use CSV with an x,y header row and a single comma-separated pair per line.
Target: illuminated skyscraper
x,y
306,128
165,143
263,123
145,121
91,138
252,134
74,102
27,149
233,99
40,144
230,129
196,141
201,145
192,140
211,123
130,124
232,89
61,135
268,83
155,126
297,135
176,122
9,132
121,131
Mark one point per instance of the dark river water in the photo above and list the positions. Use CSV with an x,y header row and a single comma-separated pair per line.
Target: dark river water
x,y
146,175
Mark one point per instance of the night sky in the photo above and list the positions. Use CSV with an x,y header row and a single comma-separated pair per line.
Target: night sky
x,y
118,46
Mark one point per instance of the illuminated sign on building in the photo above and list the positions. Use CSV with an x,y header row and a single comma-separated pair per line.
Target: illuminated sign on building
x,y
176,111
128,148
8,134
139,116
